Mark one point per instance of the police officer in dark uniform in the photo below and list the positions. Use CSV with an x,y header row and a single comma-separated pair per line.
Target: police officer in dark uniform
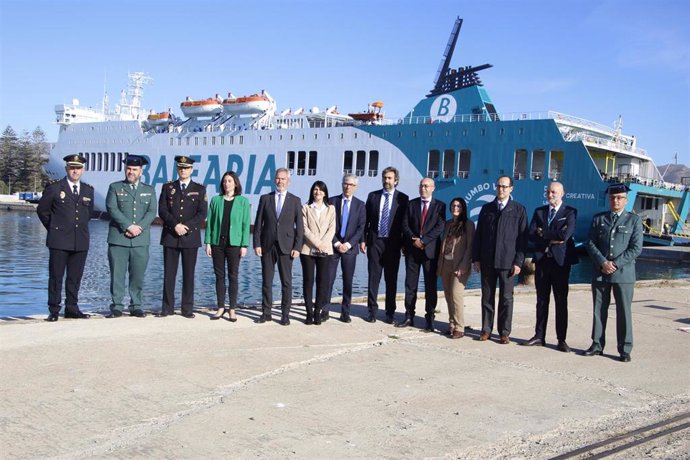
x,y
182,207
132,208
64,210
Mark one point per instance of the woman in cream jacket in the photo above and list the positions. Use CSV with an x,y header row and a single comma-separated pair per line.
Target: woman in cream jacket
x,y
319,229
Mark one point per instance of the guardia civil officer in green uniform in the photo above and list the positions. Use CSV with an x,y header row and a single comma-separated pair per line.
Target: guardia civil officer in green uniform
x,y
132,208
64,210
615,240
182,206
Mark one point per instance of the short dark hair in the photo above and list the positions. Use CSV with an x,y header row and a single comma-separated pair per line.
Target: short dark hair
x,y
236,178
323,187
394,171
510,179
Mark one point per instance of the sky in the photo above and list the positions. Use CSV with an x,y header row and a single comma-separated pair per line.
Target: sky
x,y
594,59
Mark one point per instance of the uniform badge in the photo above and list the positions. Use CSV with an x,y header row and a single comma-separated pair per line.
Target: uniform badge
x,y
62,194
172,191
87,199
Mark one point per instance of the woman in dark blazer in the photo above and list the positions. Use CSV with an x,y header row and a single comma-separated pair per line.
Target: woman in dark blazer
x,y
227,238
319,229
455,263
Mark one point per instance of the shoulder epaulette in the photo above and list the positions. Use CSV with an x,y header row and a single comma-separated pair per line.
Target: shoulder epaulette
x,y
86,185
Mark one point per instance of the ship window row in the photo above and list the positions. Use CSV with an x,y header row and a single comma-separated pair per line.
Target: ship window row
x,y
361,163
104,161
221,140
535,164
301,162
447,164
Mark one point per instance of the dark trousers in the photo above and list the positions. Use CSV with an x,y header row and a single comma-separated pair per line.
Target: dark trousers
x,y
414,260
551,275
59,262
489,278
320,265
222,256
347,262
382,257
601,296
171,260
269,258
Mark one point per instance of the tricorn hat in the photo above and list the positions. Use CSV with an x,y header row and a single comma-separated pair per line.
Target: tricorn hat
x,y
135,160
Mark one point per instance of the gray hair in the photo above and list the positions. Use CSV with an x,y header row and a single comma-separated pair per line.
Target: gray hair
x,y
352,177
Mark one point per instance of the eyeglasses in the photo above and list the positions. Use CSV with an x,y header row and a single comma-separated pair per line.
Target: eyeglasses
x,y
503,186
618,197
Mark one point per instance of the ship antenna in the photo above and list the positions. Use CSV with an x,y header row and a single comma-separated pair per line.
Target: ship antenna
x,y
448,54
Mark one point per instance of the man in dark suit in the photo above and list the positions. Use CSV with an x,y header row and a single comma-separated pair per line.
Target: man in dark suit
x,y
132,208
349,230
383,241
64,210
182,207
422,226
615,241
278,234
498,251
551,230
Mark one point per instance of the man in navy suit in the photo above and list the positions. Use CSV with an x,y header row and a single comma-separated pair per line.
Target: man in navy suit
x,y
349,229
278,234
383,240
498,251
551,230
423,224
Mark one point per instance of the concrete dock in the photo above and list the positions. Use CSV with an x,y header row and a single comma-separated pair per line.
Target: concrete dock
x,y
180,388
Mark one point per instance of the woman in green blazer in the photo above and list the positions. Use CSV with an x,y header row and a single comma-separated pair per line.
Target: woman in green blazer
x,y
227,238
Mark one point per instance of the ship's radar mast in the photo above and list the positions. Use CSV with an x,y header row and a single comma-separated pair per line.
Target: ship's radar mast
x,y
129,107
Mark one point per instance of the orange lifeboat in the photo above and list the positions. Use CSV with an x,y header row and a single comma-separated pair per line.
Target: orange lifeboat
x,y
159,119
204,108
372,115
243,105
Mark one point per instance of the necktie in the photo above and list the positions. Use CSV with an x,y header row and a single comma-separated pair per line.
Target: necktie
x,y
385,217
280,204
500,206
552,214
134,187
346,216
614,217
184,187
424,210
75,189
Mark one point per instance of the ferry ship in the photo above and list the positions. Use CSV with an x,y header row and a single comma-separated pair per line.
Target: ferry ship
x,y
454,135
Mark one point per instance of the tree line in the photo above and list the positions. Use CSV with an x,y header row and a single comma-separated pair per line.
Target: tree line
x,y
21,161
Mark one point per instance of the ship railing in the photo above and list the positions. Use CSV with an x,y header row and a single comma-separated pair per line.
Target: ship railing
x,y
649,182
607,143
469,118
569,119
463,174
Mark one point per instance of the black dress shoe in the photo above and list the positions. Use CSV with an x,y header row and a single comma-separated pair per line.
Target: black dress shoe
x,y
562,346
264,319
285,322
406,323
429,327
592,351
625,357
535,342
345,318
370,319
310,319
163,314
325,314
52,317
189,315
115,314
138,313
389,319
76,315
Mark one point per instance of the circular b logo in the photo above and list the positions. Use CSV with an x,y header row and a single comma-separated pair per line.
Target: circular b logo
x,y
443,108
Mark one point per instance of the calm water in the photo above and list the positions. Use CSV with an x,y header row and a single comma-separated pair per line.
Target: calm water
x,y
24,271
